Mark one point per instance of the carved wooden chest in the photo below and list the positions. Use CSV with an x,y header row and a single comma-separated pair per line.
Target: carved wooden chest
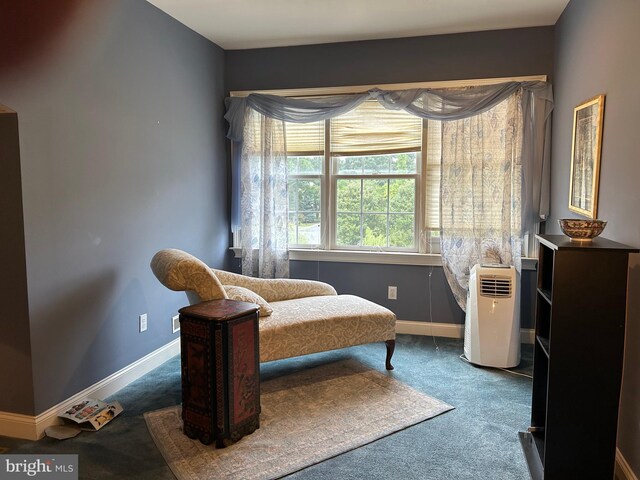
x,y
220,370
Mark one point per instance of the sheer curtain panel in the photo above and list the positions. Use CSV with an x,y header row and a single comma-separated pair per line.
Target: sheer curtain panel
x,y
481,194
263,197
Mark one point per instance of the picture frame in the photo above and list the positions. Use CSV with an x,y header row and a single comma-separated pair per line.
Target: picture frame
x,y
586,147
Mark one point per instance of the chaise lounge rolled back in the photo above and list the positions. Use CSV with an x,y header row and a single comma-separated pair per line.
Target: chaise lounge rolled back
x,y
297,317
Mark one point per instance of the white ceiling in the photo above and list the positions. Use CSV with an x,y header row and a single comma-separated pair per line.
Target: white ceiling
x,y
241,24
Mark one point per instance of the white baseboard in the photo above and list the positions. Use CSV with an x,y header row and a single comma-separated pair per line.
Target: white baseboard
x,y
32,427
623,470
527,335
449,330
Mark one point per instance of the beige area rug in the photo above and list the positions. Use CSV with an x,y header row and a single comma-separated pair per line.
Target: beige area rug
x,y
306,417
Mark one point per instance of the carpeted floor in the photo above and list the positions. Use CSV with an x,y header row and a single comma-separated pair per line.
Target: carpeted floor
x,y
477,440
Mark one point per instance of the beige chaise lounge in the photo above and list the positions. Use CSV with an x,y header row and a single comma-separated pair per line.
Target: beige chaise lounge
x,y
297,317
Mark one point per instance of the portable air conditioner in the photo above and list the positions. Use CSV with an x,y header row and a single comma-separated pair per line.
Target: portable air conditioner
x,y
492,322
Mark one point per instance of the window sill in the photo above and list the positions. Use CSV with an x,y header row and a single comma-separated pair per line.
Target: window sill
x,y
385,258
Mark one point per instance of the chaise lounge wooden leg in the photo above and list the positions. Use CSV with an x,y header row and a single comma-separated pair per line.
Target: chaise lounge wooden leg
x,y
391,345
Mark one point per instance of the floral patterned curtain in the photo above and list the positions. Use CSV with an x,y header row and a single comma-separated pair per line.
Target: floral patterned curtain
x,y
263,198
481,192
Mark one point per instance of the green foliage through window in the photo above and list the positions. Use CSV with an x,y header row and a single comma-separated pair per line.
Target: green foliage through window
x,y
376,212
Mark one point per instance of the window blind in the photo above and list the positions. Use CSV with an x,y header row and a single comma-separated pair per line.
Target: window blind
x,y
432,180
371,129
305,139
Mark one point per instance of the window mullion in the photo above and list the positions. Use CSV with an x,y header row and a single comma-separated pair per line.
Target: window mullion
x,y
328,215
389,210
361,212
421,194
296,204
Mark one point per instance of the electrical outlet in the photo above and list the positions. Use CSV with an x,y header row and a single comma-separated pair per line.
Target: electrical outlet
x,y
175,323
393,293
143,322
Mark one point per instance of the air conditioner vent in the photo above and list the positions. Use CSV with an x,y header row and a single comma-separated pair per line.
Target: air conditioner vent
x,y
495,286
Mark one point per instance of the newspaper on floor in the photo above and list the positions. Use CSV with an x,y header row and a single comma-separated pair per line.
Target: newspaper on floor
x,y
92,414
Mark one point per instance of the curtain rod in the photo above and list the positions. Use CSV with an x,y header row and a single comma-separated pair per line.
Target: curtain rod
x,y
318,91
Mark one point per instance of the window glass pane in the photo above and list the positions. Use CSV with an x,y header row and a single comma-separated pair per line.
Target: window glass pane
x,y
310,165
402,193
309,228
379,197
292,165
348,195
374,230
304,211
292,187
401,231
374,196
293,228
308,195
376,164
348,229
404,162
348,165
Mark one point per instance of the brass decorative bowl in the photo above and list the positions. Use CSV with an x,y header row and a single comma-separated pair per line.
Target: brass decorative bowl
x,y
581,230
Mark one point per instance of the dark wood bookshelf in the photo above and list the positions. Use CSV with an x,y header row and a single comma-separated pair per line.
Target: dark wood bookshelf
x,y
544,343
580,311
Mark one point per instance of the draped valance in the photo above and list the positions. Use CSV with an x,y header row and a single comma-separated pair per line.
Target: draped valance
x,y
434,104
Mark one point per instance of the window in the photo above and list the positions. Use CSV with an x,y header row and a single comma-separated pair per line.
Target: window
x,y
305,165
366,180
375,206
305,195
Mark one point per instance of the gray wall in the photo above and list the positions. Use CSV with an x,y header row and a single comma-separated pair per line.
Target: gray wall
x,y
597,52
371,281
122,154
500,53
503,53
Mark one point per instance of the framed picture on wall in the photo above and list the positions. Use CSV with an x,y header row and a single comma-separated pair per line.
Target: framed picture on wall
x,y
585,156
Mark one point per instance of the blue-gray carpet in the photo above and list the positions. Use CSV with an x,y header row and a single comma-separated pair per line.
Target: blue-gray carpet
x,y
478,440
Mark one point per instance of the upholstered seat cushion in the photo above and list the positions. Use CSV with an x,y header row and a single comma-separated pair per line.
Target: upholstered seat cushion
x,y
315,324
245,295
